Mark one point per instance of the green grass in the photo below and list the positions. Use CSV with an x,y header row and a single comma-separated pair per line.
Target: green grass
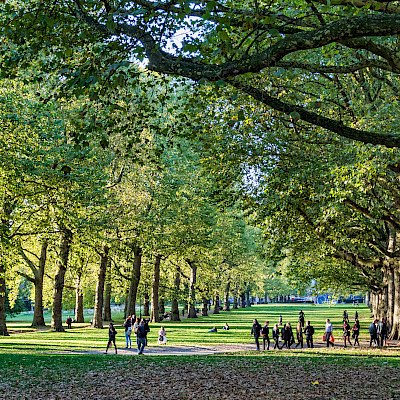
x,y
186,332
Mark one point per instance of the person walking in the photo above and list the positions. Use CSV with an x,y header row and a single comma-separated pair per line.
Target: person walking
x,y
346,333
345,316
280,320
255,331
290,334
275,336
381,332
265,334
69,322
373,333
128,332
299,332
309,332
146,327
111,337
141,337
301,318
328,332
356,332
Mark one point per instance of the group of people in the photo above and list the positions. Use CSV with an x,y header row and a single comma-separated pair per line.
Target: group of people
x,y
285,334
378,331
137,327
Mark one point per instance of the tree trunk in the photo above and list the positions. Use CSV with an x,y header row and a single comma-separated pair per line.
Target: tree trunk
x,y
107,296
3,326
395,333
79,304
227,303
243,300
38,318
248,298
62,263
98,303
390,310
146,304
192,290
204,308
175,296
235,303
216,304
135,279
155,317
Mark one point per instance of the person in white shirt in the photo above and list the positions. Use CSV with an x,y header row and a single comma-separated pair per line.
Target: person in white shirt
x,y
328,332
162,339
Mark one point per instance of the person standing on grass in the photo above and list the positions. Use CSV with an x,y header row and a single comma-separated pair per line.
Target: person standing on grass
x,y
309,332
328,332
290,334
383,332
346,333
356,332
265,334
111,337
128,332
275,336
141,337
69,322
373,333
299,331
287,336
255,331
301,318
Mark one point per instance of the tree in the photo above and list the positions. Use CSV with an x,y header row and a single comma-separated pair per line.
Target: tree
x,y
254,47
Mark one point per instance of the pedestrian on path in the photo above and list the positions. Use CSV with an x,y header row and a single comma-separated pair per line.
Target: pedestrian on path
x,y
328,332
373,333
356,332
299,332
275,336
265,334
301,318
255,331
141,337
309,332
128,332
111,337
346,333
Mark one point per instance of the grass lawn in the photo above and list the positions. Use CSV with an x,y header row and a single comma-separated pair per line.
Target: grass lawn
x,y
186,332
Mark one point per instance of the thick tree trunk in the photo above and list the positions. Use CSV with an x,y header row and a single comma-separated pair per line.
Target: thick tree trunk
x,y
248,298
204,308
243,300
98,302
38,318
395,333
216,304
192,290
227,304
175,295
3,326
135,279
107,296
185,296
390,277
62,263
146,304
155,317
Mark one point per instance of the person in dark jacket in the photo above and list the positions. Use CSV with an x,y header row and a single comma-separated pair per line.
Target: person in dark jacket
x,y
356,332
255,331
373,332
287,336
309,332
290,334
111,337
69,322
275,336
265,334
301,318
346,333
141,339
382,332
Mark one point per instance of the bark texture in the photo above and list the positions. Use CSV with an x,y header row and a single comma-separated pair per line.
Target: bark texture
x,y
192,290
135,279
98,303
107,296
62,264
175,296
154,316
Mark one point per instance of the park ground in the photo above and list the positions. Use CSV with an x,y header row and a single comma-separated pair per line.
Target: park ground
x,y
50,365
